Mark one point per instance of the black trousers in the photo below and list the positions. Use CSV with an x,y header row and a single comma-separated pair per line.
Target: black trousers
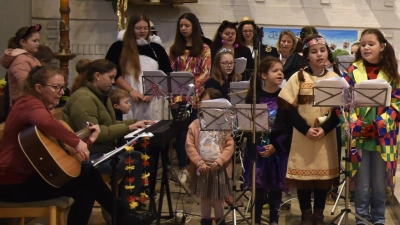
x,y
274,201
304,196
85,189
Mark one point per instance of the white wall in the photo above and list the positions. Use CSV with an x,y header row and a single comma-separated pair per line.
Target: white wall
x,y
94,24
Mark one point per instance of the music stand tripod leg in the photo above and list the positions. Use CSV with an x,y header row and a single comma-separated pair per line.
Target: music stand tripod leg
x,y
338,197
344,213
233,208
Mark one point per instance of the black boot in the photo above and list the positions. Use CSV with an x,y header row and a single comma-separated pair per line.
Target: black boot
x,y
318,217
220,223
306,217
206,221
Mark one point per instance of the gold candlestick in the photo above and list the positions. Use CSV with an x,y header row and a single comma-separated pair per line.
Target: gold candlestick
x,y
64,54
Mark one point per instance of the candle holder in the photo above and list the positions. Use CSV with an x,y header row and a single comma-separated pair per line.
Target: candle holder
x,y
64,54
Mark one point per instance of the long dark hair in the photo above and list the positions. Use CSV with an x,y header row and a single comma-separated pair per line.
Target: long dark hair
x,y
178,48
306,51
265,65
388,63
217,37
130,54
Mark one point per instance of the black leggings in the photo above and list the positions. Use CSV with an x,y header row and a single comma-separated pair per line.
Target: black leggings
x,y
274,201
85,189
304,196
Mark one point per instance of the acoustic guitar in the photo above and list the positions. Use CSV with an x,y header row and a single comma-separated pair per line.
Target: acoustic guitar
x,y
55,161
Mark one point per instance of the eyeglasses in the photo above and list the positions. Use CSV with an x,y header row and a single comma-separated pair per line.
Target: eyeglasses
x,y
247,31
57,88
141,28
227,63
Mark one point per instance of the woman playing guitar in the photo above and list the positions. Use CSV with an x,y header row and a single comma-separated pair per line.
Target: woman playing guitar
x,y
19,181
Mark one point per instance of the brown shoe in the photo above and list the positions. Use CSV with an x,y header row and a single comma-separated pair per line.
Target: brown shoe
x,y
306,217
318,217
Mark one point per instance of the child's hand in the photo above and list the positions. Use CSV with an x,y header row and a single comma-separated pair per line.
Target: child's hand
x,y
147,98
311,133
203,169
215,167
320,134
269,150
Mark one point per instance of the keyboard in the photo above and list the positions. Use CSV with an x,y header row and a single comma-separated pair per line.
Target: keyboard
x,y
163,133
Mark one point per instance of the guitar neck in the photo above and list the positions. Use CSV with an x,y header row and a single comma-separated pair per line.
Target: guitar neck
x,y
84,133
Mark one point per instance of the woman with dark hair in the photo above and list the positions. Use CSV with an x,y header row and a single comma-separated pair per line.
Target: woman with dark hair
x,y
226,37
135,53
246,31
189,53
18,59
90,103
292,62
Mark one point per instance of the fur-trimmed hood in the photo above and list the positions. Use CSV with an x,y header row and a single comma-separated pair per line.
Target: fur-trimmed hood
x,y
152,39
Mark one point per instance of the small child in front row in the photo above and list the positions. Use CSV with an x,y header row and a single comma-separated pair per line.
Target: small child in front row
x,y
210,154
120,101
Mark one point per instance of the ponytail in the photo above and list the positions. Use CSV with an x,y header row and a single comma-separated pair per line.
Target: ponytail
x,y
82,78
86,69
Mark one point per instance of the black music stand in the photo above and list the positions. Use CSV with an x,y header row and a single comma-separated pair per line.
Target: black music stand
x,y
333,101
155,83
246,122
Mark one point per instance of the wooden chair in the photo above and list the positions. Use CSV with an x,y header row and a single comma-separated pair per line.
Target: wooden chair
x,y
51,209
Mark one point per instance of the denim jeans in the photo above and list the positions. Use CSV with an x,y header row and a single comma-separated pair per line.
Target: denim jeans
x,y
371,188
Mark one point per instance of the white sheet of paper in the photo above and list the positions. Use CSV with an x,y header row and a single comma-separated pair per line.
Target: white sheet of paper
x,y
244,116
240,85
240,65
328,92
282,84
214,114
181,74
370,88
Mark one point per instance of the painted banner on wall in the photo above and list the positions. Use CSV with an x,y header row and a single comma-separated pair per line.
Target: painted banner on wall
x,y
339,41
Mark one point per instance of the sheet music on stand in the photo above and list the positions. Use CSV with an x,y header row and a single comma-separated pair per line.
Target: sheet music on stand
x,y
245,118
372,92
180,81
217,114
155,83
238,92
329,92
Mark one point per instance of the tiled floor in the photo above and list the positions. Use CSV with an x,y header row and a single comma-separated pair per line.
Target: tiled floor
x,y
190,204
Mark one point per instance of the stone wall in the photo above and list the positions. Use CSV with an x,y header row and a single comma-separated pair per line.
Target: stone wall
x,y
94,24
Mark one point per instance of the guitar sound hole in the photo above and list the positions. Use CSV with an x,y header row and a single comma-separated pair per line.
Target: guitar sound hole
x,y
64,147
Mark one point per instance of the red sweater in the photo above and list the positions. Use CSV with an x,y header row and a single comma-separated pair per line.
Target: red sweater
x,y
27,111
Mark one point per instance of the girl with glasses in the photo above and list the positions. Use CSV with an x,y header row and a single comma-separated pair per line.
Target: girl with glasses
x,y
226,37
223,72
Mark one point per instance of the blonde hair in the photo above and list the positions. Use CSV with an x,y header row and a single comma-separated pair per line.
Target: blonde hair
x,y
117,95
291,35
216,68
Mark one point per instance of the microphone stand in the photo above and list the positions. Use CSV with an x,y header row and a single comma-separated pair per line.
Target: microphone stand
x,y
253,151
